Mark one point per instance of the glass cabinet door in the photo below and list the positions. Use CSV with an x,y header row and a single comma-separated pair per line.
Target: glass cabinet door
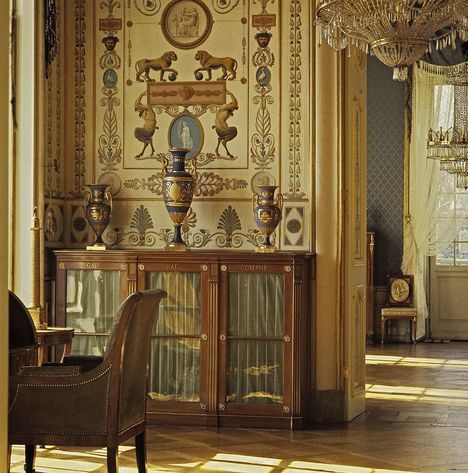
x,y
92,300
175,347
255,326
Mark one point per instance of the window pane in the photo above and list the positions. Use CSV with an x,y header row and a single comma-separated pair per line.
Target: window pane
x,y
446,206
445,254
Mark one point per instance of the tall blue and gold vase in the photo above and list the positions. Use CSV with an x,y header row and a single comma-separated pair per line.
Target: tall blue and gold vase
x,y
267,215
178,187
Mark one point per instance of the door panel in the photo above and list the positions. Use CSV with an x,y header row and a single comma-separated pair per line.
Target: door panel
x,y
449,302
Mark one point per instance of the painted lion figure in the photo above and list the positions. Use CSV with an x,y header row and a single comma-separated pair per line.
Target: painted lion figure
x,y
209,62
162,64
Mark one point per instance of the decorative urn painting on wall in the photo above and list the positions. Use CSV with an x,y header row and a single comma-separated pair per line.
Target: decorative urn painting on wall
x,y
178,187
98,207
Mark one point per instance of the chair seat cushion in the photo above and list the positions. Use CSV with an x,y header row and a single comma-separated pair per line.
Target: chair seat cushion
x,y
399,312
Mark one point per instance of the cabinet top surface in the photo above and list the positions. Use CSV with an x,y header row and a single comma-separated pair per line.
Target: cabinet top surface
x,y
207,256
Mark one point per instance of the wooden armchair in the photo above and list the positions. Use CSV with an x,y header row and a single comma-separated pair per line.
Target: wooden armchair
x,y
98,407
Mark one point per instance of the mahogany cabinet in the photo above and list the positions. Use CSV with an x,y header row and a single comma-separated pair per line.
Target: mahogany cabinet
x,y
232,343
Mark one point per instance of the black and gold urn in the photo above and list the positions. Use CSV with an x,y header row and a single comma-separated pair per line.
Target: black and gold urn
x,y
267,215
98,208
178,187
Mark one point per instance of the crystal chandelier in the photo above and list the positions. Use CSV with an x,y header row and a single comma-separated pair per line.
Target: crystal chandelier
x,y
398,32
451,146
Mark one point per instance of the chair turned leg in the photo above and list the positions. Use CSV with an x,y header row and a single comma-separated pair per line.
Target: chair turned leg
x,y
112,460
140,451
30,456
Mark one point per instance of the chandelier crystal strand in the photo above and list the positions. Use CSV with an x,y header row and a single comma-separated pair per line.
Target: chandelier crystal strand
x,y
398,32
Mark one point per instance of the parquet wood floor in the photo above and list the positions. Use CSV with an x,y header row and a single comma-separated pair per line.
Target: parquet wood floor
x,y
416,421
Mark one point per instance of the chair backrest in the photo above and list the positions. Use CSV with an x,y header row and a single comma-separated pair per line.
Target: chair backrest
x,y
400,290
22,331
127,352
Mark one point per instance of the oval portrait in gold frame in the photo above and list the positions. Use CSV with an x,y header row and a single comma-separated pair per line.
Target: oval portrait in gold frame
x,y
186,23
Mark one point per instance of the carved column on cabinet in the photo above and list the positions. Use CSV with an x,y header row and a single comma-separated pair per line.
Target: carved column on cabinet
x,y
213,338
297,334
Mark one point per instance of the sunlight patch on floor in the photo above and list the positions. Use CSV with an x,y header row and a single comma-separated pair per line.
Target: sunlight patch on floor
x,y
449,397
52,460
412,361
308,467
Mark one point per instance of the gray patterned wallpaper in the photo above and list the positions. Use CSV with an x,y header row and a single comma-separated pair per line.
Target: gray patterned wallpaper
x,y
385,168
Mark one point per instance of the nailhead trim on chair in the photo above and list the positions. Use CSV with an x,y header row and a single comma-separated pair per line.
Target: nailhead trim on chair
x,y
108,370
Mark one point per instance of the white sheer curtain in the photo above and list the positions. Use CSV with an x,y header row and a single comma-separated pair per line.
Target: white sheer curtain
x,y
432,107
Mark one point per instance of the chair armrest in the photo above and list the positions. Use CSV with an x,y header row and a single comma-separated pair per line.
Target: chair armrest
x,y
85,362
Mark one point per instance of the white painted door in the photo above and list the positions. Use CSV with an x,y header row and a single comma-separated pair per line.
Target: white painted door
x,y
448,301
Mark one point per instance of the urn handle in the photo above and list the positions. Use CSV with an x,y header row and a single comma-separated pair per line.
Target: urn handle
x,y
254,202
86,198
165,165
192,166
280,201
108,197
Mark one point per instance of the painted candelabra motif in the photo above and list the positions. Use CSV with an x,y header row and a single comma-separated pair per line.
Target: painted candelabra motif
x,y
224,131
98,208
145,133
178,187
267,214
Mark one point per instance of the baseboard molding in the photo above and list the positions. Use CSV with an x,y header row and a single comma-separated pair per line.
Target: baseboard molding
x,y
328,406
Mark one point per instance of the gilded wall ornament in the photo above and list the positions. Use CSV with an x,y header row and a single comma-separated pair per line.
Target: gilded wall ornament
x,y
110,5
110,60
147,7
224,6
80,98
50,34
209,184
228,66
262,149
59,110
230,236
162,64
186,23
225,132
110,147
295,113
263,4
145,133
142,231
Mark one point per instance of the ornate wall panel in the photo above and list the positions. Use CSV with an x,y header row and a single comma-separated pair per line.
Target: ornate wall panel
x,y
228,79
54,128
